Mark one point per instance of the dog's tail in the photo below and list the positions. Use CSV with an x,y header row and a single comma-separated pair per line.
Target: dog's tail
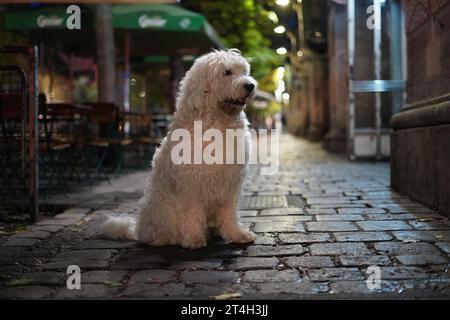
x,y
122,227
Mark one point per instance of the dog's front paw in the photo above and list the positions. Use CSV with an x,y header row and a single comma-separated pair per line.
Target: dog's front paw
x,y
194,243
243,236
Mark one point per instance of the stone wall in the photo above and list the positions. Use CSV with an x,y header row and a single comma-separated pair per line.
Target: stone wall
x,y
420,154
428,32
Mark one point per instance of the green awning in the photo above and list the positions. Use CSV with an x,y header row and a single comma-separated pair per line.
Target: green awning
x,y
156,17
155,28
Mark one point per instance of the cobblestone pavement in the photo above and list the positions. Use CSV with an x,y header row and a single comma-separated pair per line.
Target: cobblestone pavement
x,y
321,223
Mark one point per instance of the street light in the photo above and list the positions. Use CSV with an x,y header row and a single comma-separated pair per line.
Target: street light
x,y
282,3
279,30
272,16
282,51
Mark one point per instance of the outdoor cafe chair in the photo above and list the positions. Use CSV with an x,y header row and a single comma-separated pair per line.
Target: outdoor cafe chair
x,y
104,135
140,132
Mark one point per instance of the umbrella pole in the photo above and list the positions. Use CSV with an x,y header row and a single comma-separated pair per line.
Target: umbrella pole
x,y
176,73
127,72
105,53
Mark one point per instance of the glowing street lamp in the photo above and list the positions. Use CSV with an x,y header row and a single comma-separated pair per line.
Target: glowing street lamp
x,y
279,30
282,51
282,3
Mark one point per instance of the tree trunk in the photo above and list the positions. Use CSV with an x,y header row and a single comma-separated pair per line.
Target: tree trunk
x,y
105,53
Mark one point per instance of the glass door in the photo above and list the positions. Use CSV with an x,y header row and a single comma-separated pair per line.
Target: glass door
x,y
377,75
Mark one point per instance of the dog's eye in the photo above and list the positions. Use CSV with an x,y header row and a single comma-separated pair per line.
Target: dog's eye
x,y
228,72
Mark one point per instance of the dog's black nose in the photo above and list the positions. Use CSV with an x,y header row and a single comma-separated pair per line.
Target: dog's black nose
x,y
249,87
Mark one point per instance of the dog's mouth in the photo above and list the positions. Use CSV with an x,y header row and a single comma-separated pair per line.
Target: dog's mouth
x,y
239,102
234,102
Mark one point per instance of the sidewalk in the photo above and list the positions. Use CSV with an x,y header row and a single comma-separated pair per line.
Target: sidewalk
x,y
321,222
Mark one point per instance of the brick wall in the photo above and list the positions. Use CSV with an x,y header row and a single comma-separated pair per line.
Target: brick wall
x,y
428,34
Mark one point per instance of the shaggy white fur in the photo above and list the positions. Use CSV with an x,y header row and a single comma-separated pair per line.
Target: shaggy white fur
x,y
181,202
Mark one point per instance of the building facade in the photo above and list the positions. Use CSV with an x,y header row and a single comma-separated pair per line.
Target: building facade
x,y
421,139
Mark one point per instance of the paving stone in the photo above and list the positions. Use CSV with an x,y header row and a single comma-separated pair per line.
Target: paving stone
x,y
207,291
273,193
321,211
226,253
279,290
265,240
74,255
401,248
279,227
74,217
83,264
322,195
339,217
247,213
88,291
75,211
330,249
210,276
152,290
361,287
196,264
322,201
47,228
432,236
402,272
271,276
384,225
309,262
26,292
103,276
31,235
292,238
357,261
360,210
284,250
153,276
58,222
362,236
295,201
337,206
278,219
389,216
416,208
20,242
437,288
331,226
40,279
263,202
104,244
428,217
330,274
136,259
429,225
253,263
444,246
282,211
421,260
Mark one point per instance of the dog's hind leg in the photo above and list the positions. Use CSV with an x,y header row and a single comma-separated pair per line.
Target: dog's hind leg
x,y
192,227
229,228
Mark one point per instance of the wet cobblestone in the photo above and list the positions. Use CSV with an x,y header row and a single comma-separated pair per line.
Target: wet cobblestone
x,y
321,223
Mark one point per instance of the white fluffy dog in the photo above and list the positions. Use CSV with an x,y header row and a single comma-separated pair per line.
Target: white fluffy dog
x,y
183,201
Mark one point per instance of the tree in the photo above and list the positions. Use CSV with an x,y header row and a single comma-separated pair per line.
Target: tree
x,y
243,24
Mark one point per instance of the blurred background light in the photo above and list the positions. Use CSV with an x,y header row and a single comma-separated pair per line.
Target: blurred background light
x,y
282,51
279,29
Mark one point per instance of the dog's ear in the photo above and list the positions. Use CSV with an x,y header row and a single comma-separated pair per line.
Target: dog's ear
x,y
194,92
